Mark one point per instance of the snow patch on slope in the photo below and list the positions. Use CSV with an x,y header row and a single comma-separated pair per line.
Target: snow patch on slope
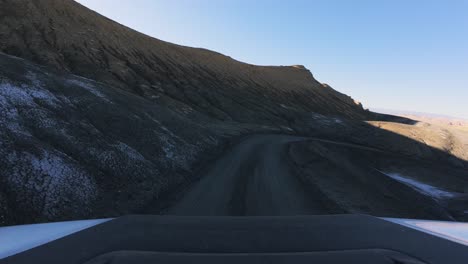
x,y
129,151
15,97
25,95
88,87
328,121
170,141
52,179
423,188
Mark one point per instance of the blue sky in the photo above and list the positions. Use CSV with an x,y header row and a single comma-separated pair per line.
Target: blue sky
x,y
402,55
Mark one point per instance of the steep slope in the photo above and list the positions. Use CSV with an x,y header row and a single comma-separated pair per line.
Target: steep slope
x,y
75,148
147,112
66,35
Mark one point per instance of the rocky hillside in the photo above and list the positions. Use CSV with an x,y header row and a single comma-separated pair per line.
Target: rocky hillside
x,y
67,36
99,120
70,146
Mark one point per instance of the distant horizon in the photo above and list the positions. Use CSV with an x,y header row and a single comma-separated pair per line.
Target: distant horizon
x,y
394,55
416,113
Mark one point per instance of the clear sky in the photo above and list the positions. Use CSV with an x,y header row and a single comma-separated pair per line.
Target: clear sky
x,y
395,54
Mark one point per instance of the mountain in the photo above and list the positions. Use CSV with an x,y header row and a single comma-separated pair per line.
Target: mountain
x,y
67,36
98,120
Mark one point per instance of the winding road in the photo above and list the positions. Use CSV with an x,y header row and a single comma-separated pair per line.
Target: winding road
x,y
253,178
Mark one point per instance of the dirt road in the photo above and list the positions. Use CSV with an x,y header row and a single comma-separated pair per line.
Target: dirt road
x,y
251,179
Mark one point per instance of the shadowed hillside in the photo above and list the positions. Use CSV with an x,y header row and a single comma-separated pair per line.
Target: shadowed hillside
x,y
66,35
